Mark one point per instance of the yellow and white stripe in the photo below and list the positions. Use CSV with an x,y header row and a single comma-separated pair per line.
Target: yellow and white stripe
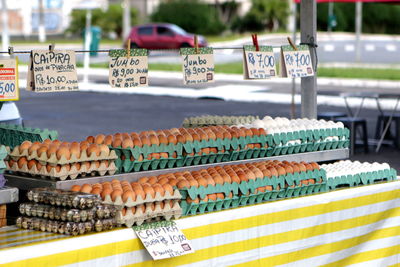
x,y
357,226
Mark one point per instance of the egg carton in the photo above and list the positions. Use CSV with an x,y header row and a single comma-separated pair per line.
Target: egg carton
x,y
362,178
131,203
154,164
13,135
64,173
149,215
52,160
209,120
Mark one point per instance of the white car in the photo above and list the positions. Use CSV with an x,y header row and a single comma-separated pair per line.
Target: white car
x,y
9,113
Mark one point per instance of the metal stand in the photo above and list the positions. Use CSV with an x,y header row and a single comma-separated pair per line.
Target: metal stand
x,y
26,183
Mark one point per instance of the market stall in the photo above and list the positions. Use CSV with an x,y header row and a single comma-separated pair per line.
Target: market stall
x,y
352,226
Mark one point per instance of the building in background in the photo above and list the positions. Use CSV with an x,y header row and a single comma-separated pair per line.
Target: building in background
x,y
23,15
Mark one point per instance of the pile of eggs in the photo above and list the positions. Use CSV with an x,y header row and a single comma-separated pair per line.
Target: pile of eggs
x,y
347,167
48,148
284,125
173,136
217,120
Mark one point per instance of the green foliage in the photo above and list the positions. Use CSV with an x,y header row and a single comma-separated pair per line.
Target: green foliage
x,y
264,14
109,20
192,15
377,17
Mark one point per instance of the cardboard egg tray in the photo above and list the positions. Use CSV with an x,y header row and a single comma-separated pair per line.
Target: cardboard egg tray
x,y
202,121
363,178
52,160
130,203
64,174
150,215
12,135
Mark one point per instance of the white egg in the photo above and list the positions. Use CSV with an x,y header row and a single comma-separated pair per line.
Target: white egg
x,y
258,124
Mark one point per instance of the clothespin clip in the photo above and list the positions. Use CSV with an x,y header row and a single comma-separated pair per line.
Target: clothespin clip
x,y
51,47
11,51
128,48
255,41
292,44
196,44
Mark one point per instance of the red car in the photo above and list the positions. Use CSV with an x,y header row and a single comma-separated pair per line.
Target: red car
x,y
162,36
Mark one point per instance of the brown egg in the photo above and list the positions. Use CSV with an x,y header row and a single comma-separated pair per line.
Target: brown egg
x,y
21,162
220,196
34,147
148,190
139,192
76,188
302,168
273,171
86,188
143,180
75,150
315,165
189,200
31,163
168,188
108,140
159,188
104,149
115,194
183,184
288,169
261,189
163,180
163,139
172,181
255,131
152,180
164,155
261,131
193,182
242,176
127,143
137,142
128,194
95,191
42,149
266,173
52,150
76,165
47,141
90,139
308,166
250,175
25,146
117,142
123,211
172,139
106,192
145,140
212,197
295,168
311,181
93,149
202,182
63,152
304,182
97,185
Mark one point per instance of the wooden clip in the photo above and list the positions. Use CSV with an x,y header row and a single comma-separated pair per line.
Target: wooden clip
x,y
11,50
292,44
255,41
196,44
128,48
51,47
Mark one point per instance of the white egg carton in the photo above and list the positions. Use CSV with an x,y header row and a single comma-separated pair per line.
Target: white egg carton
x,y
149,215
130,203
44,159
64,174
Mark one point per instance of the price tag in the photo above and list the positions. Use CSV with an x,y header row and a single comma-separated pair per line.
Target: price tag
x,y
9,90
163,240
296,63
198,68
129,71
52,71
258,64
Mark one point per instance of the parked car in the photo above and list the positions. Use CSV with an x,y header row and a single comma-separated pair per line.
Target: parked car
x,y
9,113
162,36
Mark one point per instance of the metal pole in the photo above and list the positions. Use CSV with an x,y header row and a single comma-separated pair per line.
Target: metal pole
x,y
330,13
5,37
294,29
308,28
42,28
88,40
126,19
358,30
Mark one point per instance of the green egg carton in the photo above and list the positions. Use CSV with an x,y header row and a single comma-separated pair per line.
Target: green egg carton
x,y
3,152
13,135
209,206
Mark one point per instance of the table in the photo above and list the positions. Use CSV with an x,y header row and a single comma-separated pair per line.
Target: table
x,y
351,226
377,97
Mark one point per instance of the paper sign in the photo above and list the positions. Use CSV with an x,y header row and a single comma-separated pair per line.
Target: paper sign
x,y
258,64
163,240
198,68
52,71
9,90
296,63
128,71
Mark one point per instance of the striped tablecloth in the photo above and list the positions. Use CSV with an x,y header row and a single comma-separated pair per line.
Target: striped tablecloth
x,y
358,226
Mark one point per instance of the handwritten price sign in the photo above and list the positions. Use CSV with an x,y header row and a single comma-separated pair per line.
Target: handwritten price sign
x,y
129,71
198,68
163,240
296,63
9,90
259,64
52,71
